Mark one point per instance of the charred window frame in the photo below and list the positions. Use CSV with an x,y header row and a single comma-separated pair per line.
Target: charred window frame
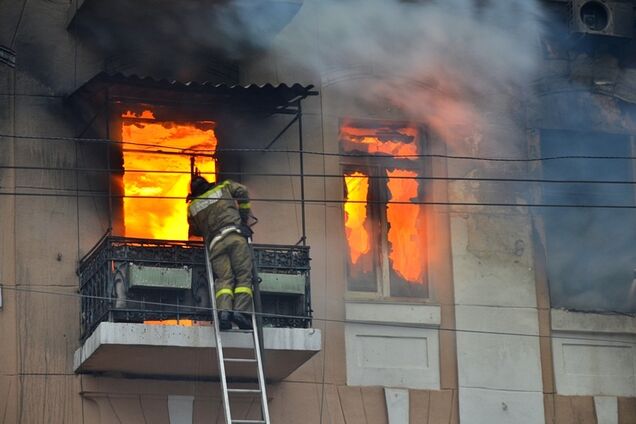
x,y
590,253
374,273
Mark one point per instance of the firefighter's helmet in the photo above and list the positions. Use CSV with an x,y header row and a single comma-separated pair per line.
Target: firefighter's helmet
x,y
198,186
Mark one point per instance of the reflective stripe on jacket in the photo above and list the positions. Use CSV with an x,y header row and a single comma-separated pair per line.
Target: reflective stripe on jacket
x,y
218,208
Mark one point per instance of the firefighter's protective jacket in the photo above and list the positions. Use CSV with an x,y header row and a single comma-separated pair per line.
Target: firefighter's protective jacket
x,y
218,208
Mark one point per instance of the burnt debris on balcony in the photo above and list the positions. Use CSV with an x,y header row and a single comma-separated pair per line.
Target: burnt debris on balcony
x,y
137,280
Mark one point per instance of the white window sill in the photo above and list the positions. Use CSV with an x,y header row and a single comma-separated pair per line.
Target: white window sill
x,y
588,322
391,312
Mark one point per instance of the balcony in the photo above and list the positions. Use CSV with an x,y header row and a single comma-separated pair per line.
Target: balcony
x,y
129,286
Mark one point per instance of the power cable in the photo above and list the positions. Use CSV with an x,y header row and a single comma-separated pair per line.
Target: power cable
x,y
326,320
338,201
103,141
314,175
189,152
47,96
85,190
17,27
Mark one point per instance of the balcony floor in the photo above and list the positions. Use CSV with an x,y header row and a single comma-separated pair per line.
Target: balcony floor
x,y
190,352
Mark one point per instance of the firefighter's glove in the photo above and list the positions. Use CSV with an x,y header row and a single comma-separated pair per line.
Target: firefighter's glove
x,y
246,230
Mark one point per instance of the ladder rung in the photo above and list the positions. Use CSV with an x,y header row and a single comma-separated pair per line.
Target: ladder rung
x,y
247,421
243,390
238,330
239,360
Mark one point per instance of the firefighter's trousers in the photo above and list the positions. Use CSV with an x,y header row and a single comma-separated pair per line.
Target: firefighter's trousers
x,y
232,266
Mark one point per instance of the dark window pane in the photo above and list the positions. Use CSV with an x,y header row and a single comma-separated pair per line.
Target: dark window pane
x,y
591,253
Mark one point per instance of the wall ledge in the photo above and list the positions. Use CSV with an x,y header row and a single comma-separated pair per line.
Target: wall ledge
x,y
422,315
589,322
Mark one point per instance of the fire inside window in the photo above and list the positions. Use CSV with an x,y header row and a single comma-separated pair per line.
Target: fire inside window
x,y
154,174
384,218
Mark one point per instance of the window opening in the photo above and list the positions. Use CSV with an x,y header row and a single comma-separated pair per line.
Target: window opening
x,y
406,232
359,232
385,225
158,218
590,252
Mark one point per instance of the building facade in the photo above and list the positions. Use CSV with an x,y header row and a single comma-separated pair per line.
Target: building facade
x,y
464,184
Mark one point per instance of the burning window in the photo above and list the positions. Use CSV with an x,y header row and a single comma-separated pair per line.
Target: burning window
x,y
383,213
160,167
360,232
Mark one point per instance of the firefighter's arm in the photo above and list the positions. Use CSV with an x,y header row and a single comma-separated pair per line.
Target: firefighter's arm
x,y
239,192
192,228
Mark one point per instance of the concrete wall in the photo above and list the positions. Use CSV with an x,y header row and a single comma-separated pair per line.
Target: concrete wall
x,y
586,356
486,360
498,348
8,330
588,409
107,401
42,238
594,354
39,246
375,348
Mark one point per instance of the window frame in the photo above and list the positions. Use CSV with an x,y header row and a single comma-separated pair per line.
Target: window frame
x,y
536,145
376,167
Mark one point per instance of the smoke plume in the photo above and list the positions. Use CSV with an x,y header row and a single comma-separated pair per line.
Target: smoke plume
x,y
442,63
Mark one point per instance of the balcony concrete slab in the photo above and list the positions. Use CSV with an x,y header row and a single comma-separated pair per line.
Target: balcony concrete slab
x,y
165,351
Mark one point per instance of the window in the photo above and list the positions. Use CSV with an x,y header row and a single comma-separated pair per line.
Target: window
x,y
591,252
384,220
157,166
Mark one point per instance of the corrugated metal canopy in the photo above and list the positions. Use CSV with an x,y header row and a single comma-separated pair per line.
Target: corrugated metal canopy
x,y
263,99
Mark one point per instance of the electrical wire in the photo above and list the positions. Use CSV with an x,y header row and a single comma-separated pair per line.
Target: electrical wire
x,y
339,201
313,175
47,96
171,150
189,152
17,27
18,288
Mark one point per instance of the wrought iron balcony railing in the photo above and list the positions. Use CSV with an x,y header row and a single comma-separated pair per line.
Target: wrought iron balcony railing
x,y
137,280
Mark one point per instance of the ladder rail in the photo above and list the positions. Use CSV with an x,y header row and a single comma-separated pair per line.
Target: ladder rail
x,y
258,306
257,327
256,331
217,335
261,374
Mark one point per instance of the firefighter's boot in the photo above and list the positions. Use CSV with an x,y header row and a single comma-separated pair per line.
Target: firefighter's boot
x,y
243,320
225,320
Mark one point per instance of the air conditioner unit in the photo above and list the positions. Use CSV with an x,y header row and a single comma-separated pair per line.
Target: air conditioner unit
x,y
602,17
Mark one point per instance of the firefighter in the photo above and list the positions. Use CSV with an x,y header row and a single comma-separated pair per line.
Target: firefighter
x,y
220,213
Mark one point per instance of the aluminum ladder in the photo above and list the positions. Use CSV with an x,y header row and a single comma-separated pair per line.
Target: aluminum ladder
x,y
257,359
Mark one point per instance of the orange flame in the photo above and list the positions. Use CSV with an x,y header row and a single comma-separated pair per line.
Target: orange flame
x,y
154,217
406,230
182,322
407,234
356,215
380,140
